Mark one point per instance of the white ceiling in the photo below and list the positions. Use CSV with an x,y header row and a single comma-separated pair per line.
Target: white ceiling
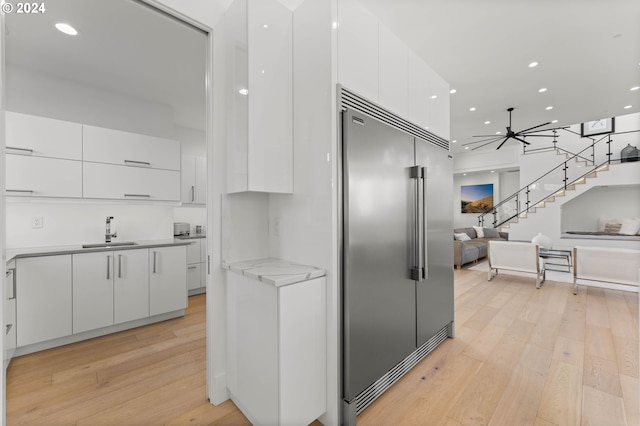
x,y
120,46
588,53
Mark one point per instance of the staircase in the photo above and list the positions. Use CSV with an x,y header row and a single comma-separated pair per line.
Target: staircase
x,y
567,180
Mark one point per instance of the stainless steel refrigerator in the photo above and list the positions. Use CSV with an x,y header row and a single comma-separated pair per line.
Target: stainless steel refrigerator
x,y
397,258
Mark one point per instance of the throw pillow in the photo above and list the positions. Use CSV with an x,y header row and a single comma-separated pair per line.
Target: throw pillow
x,y
629,227
479,231
491,233
462,237
612,228
602,222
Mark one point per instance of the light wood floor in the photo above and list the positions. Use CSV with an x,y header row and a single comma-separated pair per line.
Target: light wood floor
x,y
521,356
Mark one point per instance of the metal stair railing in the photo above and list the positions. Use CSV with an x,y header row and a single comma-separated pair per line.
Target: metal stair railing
x,y
511,205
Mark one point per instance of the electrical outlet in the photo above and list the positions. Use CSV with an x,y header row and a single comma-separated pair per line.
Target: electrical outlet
x,y
36,222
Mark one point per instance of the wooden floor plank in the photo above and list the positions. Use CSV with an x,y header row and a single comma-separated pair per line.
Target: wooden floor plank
x,y
600,408
561,401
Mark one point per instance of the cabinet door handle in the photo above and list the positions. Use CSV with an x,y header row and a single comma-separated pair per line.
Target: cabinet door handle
x,y
138,195
119,266
11,272
155,257
208,265
30,191
193,193
191,267
8,328
141,163
30,151
108,267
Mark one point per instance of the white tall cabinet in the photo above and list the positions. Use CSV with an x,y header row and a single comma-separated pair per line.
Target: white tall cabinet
x,y
258,38
193,186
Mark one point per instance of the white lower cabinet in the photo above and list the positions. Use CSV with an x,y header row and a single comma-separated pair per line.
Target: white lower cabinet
x,y
276,349
9,336
167,279
196,265
92,291
43,298
131,285
109,288
61,295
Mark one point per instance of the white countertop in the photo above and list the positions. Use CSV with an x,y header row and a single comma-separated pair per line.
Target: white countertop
x,y
277,272
12,253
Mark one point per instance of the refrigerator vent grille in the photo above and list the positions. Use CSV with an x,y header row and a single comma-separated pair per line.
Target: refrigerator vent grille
x,y
349,99
370,394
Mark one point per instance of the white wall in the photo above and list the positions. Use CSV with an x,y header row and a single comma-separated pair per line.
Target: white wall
x,y
602,202
192,141
506,157
76,222
36,93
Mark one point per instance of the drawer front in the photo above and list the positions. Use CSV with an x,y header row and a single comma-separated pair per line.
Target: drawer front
x,y
131,149
193,276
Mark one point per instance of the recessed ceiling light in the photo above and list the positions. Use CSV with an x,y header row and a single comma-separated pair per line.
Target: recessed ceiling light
x,y
493,171
554,121
265,26
472,109
498,132
544,89
628,106
533,64
464,174
549,108
66,28
635,88
487,122
454,141
466,147
434,96
452,91
244,92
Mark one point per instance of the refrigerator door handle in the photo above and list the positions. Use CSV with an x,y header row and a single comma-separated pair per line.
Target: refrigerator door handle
x,y
423,232
417,271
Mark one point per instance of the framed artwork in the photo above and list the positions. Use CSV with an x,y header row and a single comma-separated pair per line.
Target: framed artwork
x,y
476,198
598,127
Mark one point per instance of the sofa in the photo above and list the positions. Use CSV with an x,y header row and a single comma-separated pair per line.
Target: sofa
x,y
471,248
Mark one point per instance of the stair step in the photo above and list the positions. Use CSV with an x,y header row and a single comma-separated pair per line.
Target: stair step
x,y
603,168
551,199
592,175
571,187
540,205
559,193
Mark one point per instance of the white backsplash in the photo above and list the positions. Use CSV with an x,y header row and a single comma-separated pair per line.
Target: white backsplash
x,y
73,222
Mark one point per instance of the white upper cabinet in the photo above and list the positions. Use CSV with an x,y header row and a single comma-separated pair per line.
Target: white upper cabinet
x,y
129,183
393,73
43,137
193,186
376,64
358,49
439,115
258,37
43,177
102,145
419,95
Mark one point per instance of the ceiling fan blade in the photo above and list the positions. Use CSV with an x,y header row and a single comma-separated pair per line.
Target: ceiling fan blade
x,y
493,139
485,136
503,142
484,145
535,136
543,130
521,140
534,127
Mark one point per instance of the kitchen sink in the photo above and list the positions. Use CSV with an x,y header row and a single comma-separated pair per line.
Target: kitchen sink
x,y
108,245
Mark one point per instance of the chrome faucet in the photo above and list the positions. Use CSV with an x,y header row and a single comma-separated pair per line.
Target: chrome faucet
x,y
108,234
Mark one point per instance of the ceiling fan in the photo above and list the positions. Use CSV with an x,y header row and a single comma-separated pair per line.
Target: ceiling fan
x,y
519,136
